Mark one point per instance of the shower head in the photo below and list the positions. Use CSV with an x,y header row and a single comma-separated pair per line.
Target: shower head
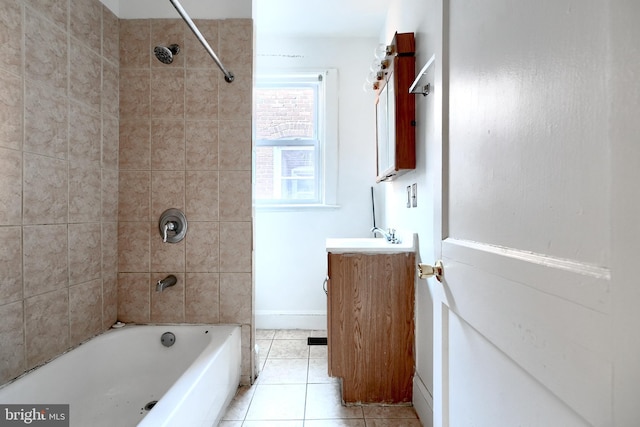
x,y
165,54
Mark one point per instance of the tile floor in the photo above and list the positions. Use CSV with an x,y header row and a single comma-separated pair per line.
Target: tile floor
x,y
294,390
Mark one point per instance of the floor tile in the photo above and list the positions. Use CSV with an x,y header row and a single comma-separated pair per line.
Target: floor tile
x,y
377,422
274,423
289,348
292,334
318,351
334,423
284,371
277,402
238,407
324,402
265,334
318,372
371,411
295,390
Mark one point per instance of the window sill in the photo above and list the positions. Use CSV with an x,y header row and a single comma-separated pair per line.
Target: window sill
x,y
294,208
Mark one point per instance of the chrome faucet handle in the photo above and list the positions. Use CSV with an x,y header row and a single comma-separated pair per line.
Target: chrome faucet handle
x,y
169,226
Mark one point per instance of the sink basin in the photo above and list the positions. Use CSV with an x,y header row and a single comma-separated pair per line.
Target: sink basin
x,y
370,245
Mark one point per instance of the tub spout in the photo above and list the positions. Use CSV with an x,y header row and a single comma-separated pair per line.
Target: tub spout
x,y
166,283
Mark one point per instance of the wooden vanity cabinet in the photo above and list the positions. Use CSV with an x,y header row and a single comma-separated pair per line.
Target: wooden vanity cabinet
x,y
370,329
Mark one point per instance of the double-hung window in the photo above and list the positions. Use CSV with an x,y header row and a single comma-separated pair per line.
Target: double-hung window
x,y
291,139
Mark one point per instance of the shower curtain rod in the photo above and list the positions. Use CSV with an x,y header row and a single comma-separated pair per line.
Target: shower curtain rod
x,y
228,76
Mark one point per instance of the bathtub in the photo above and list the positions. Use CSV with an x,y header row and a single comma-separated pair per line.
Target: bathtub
x,y
115,378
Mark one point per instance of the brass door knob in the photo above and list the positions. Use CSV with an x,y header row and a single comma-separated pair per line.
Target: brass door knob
x,y
426,270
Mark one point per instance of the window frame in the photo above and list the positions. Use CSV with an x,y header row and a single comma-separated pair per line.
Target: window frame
x,y
325,142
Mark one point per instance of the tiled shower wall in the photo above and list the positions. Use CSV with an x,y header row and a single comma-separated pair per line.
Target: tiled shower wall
x,y
58,177
185,142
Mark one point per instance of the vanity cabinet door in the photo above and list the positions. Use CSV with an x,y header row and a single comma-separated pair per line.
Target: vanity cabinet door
x,y
371,326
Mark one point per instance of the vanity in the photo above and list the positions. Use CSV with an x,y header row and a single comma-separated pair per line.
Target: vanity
x,y
370,316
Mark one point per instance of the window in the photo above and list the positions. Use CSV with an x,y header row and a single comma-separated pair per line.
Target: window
x,y
293,151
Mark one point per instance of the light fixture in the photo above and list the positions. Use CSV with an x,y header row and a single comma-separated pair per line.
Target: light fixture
x,y
378,69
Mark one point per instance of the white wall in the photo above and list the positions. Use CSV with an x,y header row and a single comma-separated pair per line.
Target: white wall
x,y
197,9
424,19
290,257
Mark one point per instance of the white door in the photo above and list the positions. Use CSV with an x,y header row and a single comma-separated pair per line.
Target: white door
x,y
536,321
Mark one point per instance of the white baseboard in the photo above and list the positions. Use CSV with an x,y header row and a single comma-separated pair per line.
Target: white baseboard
x,y
422,402
269,319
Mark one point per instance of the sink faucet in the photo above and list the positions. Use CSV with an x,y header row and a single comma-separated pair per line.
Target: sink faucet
x,y
166,283
389,235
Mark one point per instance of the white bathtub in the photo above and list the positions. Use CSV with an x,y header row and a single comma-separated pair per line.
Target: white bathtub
x,y
109,380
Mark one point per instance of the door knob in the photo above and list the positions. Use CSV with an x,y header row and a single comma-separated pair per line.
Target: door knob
x,y
426,270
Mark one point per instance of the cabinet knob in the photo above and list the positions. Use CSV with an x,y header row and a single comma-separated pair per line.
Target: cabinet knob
x,y
426,270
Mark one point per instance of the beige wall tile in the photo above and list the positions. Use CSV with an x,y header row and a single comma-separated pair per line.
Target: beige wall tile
x,y
109,194
236,43
235,196
202,298
85,252
46,117
235,246
55,215
235,297
133,247
110,136
85,79
168,144
110,89
167,306
202,246
45,258
109,300
11,265
110,36
167,93
54,10
85,310
11,188
135,43
45,197
166,257
85,18
196,55
235,98
45,51
85,135
135,144
134,300
85,190
134,203
234,144
12,350
109,248
46,326
167,191
11,108
11,36
135,90
202,145
201,92
202,195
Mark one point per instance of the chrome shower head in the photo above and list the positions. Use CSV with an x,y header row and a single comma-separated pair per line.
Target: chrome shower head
x,y
165,54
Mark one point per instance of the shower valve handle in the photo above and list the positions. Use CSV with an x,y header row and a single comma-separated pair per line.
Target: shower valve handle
x,y
169,226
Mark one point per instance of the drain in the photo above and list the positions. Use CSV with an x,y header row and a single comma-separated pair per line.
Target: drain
x,y
150,405
167,339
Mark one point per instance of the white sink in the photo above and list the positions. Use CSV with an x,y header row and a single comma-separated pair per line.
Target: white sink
x,y
370,245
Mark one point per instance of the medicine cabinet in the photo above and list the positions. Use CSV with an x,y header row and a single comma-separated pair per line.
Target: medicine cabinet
x,y
396,110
